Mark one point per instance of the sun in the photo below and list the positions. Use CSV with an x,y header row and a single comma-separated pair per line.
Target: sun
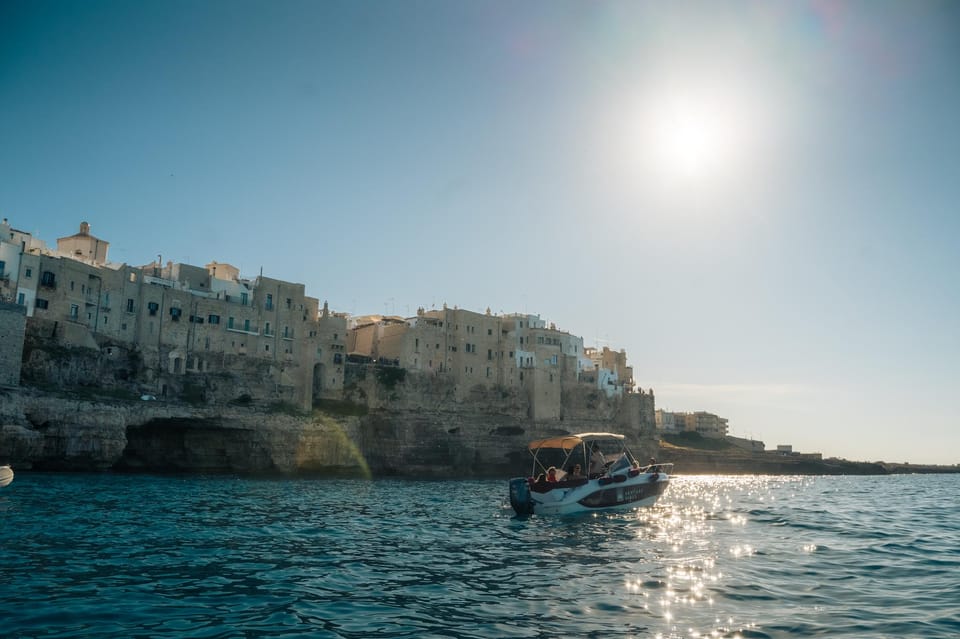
x,y
692,136
690,141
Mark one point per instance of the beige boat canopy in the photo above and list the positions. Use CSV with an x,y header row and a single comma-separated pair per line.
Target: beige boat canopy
x,y
569,442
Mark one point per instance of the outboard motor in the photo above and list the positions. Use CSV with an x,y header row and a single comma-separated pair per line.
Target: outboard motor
x,y
520,496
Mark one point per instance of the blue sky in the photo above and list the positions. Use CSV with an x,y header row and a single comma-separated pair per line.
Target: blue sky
x,y
757,200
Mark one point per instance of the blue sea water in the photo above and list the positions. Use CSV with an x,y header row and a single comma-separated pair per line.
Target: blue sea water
x,y
752,557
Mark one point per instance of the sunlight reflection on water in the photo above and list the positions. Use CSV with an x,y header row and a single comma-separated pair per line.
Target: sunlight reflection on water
x,y
747,557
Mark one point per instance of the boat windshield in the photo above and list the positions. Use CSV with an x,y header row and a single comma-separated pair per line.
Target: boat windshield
x,y
566,451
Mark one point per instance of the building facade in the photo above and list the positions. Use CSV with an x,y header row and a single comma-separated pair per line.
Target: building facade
x,y
181,319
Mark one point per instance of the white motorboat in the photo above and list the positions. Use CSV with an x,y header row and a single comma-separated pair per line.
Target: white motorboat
x,y
613,480
6,475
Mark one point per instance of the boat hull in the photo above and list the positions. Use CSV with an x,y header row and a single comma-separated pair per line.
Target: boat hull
x,y
595,495
6,475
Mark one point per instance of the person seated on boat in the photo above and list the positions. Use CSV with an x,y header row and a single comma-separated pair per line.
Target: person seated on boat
x,y
652,467
552,474
576,472
597,462
619,465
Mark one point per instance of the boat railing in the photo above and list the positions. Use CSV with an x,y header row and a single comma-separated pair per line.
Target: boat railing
x,y
659,468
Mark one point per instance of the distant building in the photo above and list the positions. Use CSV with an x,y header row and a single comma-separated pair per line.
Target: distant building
x,y
83,246
484,350
176,320
180,318
667,422
702,422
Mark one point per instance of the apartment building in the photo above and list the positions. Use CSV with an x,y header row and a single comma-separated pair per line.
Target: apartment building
x,y
181,318
516,351
702,422
613,375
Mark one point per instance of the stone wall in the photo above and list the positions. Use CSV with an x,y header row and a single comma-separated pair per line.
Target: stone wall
x,y
416,429
12,326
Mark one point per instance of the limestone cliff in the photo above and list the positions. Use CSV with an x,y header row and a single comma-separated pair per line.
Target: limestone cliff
x,y
413,428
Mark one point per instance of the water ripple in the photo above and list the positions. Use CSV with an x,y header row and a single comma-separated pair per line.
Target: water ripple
x,y
731,557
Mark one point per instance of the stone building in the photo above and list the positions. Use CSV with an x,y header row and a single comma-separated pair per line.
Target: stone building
x,y
83,246
613,376
180,319
702,422
470,349
13,245
330,360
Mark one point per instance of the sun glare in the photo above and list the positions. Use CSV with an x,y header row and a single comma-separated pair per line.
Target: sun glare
x,y
692,137
689,141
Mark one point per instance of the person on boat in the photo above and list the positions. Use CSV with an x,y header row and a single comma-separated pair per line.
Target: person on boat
x,y
597,462
652,466
552,474
576,473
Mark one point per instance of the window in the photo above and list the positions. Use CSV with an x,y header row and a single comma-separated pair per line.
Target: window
x,y
266,329
229,322
3,267
266,347
246,325
133,277
153,307
289,302
269,303
175,313
48,279
28,273
20,299
244,298
74,312
287,332
196,319
213,319
42,303
71,284
489,353
130,305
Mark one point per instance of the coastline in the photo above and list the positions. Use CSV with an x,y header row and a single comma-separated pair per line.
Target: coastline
x,y
692,461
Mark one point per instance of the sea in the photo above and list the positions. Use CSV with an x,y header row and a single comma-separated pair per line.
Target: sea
x,y
107,555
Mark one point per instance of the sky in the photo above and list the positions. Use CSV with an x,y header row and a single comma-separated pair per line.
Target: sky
x,y
758,201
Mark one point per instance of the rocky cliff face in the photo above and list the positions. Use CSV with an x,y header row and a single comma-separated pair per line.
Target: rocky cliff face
x,y
411,428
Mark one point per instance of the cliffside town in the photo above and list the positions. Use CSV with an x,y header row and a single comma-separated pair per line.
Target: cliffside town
x,y
179,367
